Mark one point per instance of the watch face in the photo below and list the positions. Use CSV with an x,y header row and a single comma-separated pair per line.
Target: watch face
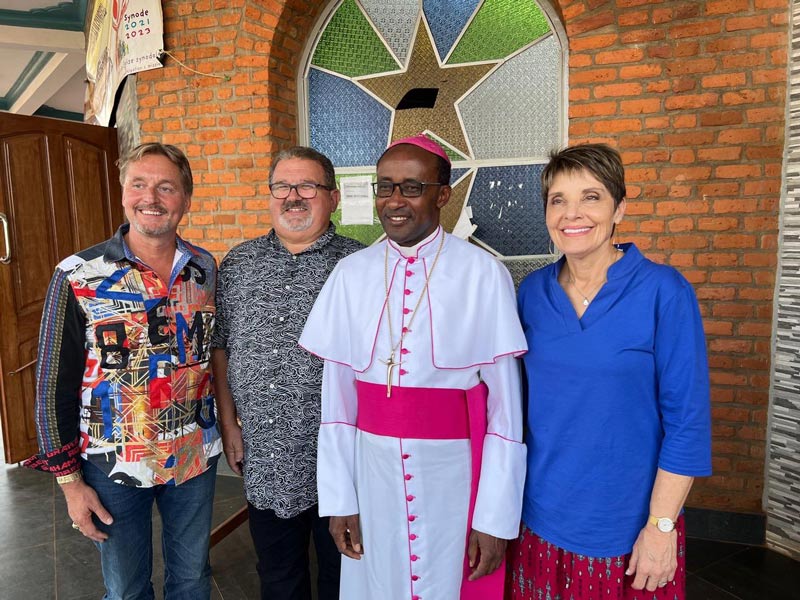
x,y
666,525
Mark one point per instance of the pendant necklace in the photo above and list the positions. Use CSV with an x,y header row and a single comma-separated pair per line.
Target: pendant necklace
x,y
594,290
390,363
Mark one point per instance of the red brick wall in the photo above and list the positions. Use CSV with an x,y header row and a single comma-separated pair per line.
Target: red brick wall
x,y
692,93
229,125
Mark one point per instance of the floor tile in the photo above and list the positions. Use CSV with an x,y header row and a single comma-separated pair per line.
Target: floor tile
x,y
78,573
27,575
49,560
702,553
233,565
755,574
700,589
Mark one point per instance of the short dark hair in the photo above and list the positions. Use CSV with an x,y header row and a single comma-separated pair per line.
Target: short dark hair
x,y
174,154
443,167
306,153
601,160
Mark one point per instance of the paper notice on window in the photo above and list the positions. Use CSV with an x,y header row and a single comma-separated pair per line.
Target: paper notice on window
x,y
464,226
356,200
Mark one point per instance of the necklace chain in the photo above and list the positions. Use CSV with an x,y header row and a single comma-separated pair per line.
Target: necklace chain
x,y
594,290
390,364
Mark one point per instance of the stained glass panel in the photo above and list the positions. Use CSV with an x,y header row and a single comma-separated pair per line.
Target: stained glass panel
x,y
452,210
499,28
424,72
496,106
507,208
514,113
346,124
395,19
350,46
446,19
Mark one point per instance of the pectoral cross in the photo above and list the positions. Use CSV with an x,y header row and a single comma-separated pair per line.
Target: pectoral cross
x,y
390,365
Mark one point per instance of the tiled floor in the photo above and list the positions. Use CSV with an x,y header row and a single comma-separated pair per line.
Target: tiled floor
x,y
43,558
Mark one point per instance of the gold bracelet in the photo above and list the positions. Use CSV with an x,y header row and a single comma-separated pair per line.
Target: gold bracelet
x,y
62,479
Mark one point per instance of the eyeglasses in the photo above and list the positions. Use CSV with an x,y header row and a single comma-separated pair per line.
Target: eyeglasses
x,y
408,189
307,191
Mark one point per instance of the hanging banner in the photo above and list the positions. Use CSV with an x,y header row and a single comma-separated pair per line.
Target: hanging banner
x,y
125,36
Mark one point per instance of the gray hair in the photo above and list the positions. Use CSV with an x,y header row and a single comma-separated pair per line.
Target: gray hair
x,y
306,153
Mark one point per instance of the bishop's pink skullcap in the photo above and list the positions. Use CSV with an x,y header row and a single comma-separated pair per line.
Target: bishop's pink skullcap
x,y
423,142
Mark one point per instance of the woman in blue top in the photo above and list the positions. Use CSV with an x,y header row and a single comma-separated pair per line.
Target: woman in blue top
x,y
618,402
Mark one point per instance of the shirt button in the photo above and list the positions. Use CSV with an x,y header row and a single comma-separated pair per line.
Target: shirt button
x,y
408,292
272,455
406,311
272,386
411,260
409,273
271,421
288,287
275,351
280,319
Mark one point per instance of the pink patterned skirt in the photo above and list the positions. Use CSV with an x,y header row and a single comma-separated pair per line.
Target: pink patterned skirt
x,y
538,570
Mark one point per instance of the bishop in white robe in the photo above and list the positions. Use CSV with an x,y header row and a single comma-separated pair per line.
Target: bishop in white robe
x,y
421,433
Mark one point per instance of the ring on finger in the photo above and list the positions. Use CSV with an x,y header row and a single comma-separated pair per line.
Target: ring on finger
x,y
662,584
75,526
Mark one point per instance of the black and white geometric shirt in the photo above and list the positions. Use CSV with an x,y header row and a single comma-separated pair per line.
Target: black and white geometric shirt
x,y
264,294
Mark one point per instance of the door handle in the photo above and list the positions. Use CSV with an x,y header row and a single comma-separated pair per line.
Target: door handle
x,y
5,259
22,368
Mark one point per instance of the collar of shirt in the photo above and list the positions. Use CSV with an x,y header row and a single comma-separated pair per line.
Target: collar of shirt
x,y
427,248
117,250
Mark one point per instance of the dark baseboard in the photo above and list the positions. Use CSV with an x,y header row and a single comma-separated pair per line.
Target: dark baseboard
x,y
722,526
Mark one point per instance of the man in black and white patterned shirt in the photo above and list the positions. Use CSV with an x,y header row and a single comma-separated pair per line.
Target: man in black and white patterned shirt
x,y
266,288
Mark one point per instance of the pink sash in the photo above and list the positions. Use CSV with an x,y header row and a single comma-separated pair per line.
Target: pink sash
x,y
442,414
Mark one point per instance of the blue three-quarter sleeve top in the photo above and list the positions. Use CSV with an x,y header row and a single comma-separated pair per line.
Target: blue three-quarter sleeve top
x,y
612,396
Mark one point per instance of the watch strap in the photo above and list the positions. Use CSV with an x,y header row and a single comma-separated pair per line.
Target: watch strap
x,y
653,520
62,479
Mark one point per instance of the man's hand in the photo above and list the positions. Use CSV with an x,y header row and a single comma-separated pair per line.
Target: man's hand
x,y
346,534
654,558
82,502
233,446
487,551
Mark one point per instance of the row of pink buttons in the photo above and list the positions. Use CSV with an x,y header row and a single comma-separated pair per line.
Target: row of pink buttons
x,y
411,519
406,311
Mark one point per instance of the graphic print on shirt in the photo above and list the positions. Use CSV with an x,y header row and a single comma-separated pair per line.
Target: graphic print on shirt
x,y
147,402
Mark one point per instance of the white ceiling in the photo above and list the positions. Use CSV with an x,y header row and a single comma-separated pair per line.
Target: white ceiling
x,y
42,57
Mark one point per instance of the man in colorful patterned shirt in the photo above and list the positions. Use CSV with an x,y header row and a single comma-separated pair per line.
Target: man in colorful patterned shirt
x,y
266,382
125,408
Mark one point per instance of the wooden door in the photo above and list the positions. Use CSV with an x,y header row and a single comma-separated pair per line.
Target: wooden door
x,y
59,193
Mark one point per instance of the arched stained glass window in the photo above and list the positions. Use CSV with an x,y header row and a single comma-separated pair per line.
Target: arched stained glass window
x,y
484,78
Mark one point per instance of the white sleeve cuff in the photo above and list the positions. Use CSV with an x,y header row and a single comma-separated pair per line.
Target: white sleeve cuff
x,y
498,507
335,459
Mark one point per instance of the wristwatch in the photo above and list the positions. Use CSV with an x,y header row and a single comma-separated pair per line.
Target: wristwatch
x,y
664,524
62,479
